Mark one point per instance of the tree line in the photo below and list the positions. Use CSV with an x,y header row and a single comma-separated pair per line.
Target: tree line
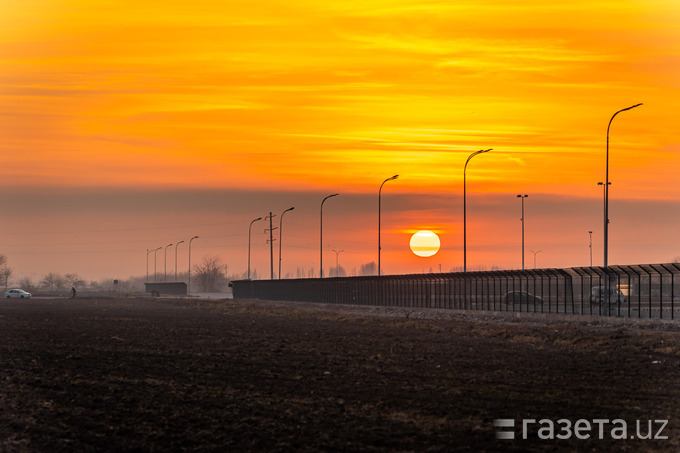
x,y
209,275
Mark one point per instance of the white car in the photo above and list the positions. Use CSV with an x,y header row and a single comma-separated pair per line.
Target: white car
x,y
18,293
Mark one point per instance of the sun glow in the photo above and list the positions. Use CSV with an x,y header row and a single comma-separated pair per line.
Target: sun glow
x,y
425,243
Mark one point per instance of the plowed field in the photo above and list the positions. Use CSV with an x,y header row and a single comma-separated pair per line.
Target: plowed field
x,y
144,374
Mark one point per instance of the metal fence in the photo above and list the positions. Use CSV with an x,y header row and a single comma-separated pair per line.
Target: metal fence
x,y
636,291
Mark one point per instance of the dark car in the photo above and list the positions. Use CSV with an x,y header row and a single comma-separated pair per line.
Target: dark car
x,y
598,295
520,297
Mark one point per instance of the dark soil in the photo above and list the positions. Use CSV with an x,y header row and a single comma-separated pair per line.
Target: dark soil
x,y
173,374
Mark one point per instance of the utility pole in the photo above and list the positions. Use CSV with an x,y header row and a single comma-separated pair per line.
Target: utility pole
x,y
522,219
271,242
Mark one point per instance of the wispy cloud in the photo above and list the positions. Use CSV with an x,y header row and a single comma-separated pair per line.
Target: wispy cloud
x,y
295,92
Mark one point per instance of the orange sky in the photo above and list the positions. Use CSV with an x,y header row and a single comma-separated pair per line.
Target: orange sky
x,y
313,98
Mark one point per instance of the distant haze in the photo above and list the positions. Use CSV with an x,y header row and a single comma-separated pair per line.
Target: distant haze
x,y
105,233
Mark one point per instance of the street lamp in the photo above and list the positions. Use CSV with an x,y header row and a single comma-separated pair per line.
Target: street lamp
x,y
321,234
606,189
590,246
281,236
154,263
180,242
189,284
522,197
465,206
147,264
249,229
604,200
337,252
165,263
379,195
535,253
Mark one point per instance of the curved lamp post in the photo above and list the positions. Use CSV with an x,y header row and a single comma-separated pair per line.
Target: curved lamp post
x,y
147,264
154,263
180,242
379,195
604,201
522,219
465,206
189,284
281,236
165,263
249,229
606,189
321,235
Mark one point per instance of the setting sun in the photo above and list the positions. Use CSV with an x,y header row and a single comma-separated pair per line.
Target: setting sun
x,y
425,243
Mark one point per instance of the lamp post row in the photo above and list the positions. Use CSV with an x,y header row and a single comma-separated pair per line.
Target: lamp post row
x,y
605,185
165,261
165,273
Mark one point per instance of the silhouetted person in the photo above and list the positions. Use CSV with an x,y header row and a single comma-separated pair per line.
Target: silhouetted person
x,y
73,292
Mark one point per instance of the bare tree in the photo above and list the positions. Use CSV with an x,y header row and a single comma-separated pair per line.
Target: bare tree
x,y
53,280
72,279
5,275
5,271
26,283
337,272
209,273
369,269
